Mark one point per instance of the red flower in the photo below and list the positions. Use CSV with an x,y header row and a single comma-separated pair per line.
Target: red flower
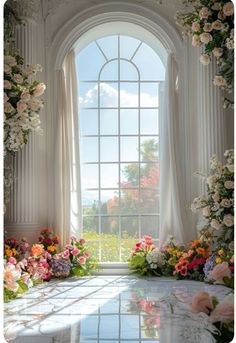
x,y
40,239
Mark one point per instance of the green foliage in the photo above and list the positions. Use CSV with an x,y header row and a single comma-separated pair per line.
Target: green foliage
x,y
138,264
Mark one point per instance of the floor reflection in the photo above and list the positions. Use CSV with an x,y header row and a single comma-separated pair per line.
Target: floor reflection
x,y
109,309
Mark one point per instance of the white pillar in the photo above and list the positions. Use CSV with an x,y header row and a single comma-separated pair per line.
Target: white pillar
x,y
27,211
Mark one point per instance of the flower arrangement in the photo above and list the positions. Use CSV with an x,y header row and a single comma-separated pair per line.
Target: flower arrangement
x,y
218,206
61,265
37,264
15,248
211,25
219,313
49,241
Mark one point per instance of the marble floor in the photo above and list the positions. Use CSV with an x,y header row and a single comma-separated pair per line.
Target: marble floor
x,y
109,309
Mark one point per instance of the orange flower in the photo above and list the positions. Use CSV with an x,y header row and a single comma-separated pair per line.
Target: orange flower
x,y
195,243
37,249
51,248
202,251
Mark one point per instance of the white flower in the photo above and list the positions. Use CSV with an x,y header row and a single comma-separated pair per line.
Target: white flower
x,y
228,220
225,203
228,8
155,257
18,78
25,96
216,6
219,81
217,52
211,181
21,106
35,104
8,108
204,13
221,15
216,197
205,37
207,27
10,60
39,89
217,25
230,167
195,26
229,184
215,224
7,84
7,69
196,41
206,211
205,59
5,97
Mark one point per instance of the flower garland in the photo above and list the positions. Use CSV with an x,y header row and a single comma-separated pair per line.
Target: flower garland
x,y
211,25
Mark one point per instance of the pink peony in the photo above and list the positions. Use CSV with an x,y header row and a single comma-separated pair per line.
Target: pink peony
x,y
11,275
202,302
148,240
81,260
219,272
66,253
69,246
75,252
82,241
224,312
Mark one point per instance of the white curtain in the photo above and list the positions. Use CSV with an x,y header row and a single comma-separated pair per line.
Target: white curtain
x,y
172,201
67,219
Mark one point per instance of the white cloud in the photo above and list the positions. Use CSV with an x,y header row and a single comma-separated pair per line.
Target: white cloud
x,y
109,97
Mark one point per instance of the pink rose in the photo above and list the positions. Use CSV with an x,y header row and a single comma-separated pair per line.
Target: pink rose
x,y
81,260
7,84
66,253
25,96
86,254
82,241
75,252
69,246
202,302
39,89
21,106
224,312
12,260
73,238
219,272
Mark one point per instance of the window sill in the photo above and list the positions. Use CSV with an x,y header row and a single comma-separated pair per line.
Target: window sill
x,y
113,268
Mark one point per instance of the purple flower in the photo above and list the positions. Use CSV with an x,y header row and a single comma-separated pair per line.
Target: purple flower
x,y
209,265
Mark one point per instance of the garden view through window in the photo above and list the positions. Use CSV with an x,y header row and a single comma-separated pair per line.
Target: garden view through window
x,y
119,80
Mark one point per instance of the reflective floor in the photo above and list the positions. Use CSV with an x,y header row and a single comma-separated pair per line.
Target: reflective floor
x,y
110,309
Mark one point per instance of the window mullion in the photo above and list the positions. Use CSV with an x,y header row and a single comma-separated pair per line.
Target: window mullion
x,y
119,152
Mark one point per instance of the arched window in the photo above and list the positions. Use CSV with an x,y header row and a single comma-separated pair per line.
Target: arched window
x,y
119,85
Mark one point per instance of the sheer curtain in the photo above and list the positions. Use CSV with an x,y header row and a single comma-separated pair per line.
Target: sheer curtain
x,y
172,201
67,165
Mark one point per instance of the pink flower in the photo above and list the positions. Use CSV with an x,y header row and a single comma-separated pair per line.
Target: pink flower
x,y
73,238
202,302
39,89
69,246
148,240
219,272
82,241
86,254
224,312
66,253
75,252
11,275
26,245
81,260
12,260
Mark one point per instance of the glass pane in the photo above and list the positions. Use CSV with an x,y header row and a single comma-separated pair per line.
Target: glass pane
x,y
93,246
90,227
129,227
109,122
90,202
110,249
110,71
109,175
110,202
109,46
150,175
85,58
149,122
129,175
88,94
89,176
149,64
128,71
126,245
128,45
88,122
128,122
149,201
128,94
129,201
149,94
110,226
150,226
149,149
129,149
89,149
109,149
108,94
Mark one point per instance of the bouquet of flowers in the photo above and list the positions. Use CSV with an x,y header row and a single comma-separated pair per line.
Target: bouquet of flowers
x,y
218,206
37,264
191,264
211,25
81,261
49,241
61,265
173,252
15,248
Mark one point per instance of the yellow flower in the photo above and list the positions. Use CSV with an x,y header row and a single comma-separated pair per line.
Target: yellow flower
x,y
51,248
14,252
218,260
221,252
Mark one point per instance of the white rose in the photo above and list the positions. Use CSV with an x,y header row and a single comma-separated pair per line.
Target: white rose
x,y
195,26
217,52
204,13
21,106
230,167
228,8
205,59
216,6
217,25
216,197
7,69
219,81
221,15
207,27
25,96
10,60
5,97
196,41
228,220
206,211
39,89
229,184
7,84
225,203
215,224
205,37
8,108
18,78
35,104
